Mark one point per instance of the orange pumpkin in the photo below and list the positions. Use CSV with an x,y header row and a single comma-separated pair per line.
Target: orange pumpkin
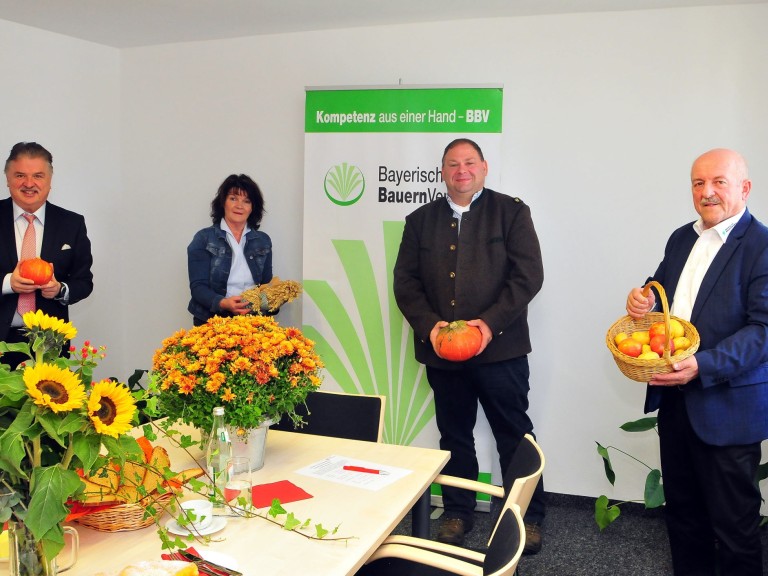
x,y
458,341
37,270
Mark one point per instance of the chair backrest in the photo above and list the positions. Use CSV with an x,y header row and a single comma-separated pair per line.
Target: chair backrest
x,y
522,476
354,416
523,473
507,543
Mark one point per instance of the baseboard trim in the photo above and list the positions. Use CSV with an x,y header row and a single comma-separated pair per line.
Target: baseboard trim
x,y
567,500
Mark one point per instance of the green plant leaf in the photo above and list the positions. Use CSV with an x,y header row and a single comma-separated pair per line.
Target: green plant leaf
x,y
53,485
604,513
320,531
641,425
609,473
276,509
149,432
12,387
15,347
291,522
86,374
53,541
86,447
12,450
59,428
654,490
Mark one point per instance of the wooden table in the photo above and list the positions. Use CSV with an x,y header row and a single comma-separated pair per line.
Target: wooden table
x,y
263,549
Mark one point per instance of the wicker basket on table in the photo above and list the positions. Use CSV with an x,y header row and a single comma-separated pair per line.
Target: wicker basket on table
x,y
644,370
125,517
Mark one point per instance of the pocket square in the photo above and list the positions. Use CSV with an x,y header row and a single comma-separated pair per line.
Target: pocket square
x,y
66,247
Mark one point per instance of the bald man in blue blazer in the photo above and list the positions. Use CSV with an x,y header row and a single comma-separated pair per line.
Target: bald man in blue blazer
x,y
713,406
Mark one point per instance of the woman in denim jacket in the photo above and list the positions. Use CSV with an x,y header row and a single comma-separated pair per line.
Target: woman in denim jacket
x,y
232,255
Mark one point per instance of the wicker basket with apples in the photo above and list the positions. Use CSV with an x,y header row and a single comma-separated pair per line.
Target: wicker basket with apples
x,y
650,345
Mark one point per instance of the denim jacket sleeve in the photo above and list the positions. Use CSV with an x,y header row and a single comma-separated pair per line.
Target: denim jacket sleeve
x,y
205,253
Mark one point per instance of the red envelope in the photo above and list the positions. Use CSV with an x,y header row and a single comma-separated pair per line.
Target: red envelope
x,y
284,490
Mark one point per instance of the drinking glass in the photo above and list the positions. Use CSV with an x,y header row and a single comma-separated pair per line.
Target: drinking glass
x,y
237,490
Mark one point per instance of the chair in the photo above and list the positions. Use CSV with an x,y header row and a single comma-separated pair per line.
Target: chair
x,y
353,416
428,558
519,483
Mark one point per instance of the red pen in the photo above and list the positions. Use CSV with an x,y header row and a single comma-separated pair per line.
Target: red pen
x,y
366,470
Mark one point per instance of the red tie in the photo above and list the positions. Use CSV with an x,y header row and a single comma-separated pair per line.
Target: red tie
x,y
28,250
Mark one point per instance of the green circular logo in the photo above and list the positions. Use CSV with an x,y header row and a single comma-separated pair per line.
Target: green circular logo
x,y
344,184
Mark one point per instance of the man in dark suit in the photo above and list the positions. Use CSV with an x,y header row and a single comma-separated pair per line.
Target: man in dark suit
x,y
713,406
60,238
473,256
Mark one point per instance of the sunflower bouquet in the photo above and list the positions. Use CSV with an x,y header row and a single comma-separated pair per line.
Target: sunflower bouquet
x,y
56,424
255,368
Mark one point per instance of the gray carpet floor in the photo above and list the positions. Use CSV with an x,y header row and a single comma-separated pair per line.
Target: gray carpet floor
x,y
634,545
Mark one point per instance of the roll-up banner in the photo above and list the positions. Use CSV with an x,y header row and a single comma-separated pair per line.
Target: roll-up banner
x,y
372,156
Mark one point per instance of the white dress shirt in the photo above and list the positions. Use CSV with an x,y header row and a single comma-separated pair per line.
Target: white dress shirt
x,y
702,254
240,277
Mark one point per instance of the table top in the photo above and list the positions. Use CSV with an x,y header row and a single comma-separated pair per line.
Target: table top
x,y
264,549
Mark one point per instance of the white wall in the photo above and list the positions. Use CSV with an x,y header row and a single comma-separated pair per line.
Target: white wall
x,y
65,94
603,115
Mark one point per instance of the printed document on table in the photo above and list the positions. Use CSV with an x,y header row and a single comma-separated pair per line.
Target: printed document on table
x,y
376,477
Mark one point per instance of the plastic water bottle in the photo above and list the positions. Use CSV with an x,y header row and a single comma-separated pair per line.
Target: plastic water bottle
x,y
217,453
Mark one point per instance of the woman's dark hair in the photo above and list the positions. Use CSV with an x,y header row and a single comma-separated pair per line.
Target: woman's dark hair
x,y
239,182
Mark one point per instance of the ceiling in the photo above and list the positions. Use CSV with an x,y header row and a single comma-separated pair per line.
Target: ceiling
x,y
132,23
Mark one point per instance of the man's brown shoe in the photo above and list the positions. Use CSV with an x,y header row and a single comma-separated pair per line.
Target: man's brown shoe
x,y
451,531
532,539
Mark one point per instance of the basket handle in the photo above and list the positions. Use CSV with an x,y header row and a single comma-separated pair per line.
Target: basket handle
x,y
665,308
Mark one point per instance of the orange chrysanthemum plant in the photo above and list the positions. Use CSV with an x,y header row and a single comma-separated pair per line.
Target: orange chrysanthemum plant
x,y
255,368
54,422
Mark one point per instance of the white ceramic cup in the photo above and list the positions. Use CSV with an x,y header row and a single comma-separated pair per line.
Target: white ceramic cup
x,y
199,513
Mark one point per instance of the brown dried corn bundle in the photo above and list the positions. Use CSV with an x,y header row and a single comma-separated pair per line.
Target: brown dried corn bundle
x,y
269,297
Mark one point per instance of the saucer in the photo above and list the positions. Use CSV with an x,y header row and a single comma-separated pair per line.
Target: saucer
x,y
217,524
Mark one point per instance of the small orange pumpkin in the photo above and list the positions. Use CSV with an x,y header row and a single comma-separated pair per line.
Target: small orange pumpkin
x,y
458,341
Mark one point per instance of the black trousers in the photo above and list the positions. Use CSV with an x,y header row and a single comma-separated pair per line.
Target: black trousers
x,y
502,390
712,498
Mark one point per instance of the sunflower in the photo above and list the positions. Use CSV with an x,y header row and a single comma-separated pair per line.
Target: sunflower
x,y
111,408
41,321
54,387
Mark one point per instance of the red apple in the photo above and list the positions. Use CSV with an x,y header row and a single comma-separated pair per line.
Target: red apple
x,y
630,347
659,342
657,329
